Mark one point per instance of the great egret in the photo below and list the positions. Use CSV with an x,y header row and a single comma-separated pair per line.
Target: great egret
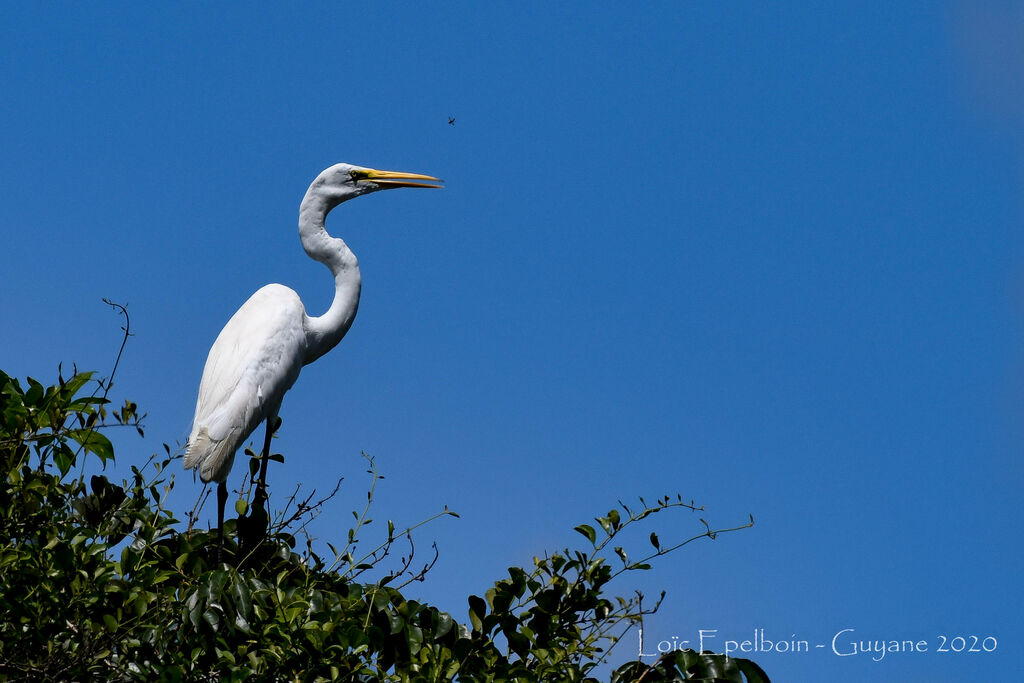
x,y
258,354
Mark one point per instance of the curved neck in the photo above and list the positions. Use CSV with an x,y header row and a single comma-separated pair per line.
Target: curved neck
x,y
324,332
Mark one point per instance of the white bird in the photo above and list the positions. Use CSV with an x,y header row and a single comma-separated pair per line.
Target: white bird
x,y
258,354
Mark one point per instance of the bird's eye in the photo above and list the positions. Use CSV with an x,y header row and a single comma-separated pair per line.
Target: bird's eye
x,y
356,174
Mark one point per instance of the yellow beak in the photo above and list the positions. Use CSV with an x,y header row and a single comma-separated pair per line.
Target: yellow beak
x,y
390,179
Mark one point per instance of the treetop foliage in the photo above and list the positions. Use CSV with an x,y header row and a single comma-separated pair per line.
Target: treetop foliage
x,y
100,580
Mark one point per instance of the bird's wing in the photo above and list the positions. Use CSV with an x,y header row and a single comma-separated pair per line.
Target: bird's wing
x,y
254,361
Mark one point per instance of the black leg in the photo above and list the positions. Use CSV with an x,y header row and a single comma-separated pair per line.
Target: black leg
x,y
257,521
222,499
261,488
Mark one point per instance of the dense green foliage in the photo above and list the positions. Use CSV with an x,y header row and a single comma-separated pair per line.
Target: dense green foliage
x,y
99,581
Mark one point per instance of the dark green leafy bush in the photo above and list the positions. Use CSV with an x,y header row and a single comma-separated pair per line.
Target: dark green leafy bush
x,y
98,581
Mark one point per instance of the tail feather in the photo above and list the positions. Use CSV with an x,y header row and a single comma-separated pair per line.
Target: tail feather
x,y
212,458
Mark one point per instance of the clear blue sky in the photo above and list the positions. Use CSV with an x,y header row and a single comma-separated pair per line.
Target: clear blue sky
x,y
766,257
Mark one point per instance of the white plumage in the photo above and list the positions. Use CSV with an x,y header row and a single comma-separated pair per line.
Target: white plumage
x,y
255,360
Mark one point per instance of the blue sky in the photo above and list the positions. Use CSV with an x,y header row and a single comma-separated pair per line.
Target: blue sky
x,y
769,258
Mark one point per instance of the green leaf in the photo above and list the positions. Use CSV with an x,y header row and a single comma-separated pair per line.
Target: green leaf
x,y
587,531
443,626
180,561
477,610
752,671
241,623
380,599
241,506
518,643
212,619
414,638
93,442
72,385
241,596
613,517
110,621
215,584
64,459
34,393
